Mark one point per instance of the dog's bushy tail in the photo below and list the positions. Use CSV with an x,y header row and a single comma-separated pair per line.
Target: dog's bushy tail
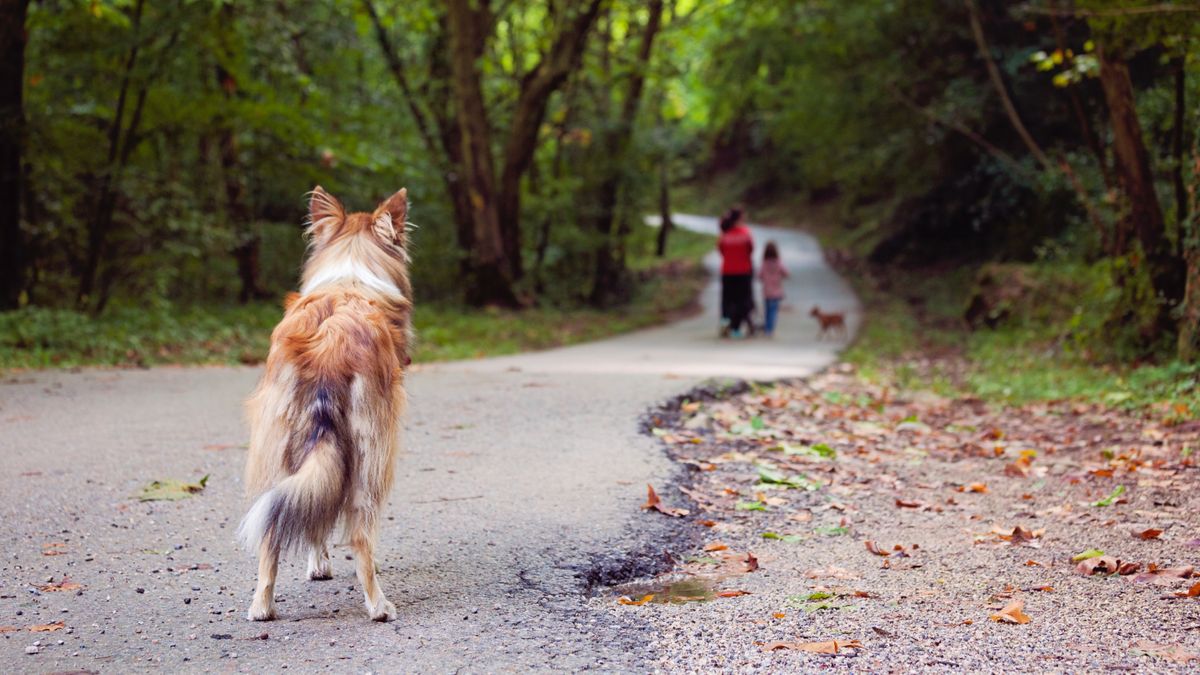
x,y
305,506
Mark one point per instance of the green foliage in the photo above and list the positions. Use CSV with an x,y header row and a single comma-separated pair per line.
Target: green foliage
x,y
126,334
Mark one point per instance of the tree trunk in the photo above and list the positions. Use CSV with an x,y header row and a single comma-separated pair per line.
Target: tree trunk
x,y
1181,200
491,280
537,86
664,207
13,254
1145,216
106,199
608,282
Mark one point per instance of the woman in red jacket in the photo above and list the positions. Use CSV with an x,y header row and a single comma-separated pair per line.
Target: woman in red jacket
x,y
737,274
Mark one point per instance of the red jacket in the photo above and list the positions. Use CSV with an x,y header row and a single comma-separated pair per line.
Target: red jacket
x,y
737,248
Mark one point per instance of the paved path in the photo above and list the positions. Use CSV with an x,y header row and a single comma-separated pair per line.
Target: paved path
x,y
522,480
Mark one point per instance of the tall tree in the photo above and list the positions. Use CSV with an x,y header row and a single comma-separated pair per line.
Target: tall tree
x,y
608,284
495,200
12,132
1145,215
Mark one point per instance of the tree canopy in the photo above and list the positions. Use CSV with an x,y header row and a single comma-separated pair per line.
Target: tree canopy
x,y
160,151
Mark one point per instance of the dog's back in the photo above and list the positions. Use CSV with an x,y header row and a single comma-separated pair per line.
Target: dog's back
x,y
325,416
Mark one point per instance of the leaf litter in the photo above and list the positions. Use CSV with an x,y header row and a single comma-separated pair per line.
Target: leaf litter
x,y
827,451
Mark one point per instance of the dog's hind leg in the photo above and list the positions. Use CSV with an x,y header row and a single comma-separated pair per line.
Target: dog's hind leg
x,y
362,541
319,567
263,606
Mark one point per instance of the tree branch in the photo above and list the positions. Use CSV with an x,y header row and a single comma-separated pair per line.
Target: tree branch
x,y
998,84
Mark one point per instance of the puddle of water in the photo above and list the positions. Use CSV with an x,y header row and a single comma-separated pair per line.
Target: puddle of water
x,y
672,589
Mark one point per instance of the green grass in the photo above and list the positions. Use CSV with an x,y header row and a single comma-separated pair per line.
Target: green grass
x,y
130,335
1057,344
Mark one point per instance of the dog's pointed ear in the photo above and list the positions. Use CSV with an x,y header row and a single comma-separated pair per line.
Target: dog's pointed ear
x,y
325,215
390,218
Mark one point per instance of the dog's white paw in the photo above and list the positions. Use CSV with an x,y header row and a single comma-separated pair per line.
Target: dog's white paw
x,y
261,611
383,611
322,571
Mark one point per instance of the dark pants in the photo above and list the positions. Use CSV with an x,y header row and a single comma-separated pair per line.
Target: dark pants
x,y
737,299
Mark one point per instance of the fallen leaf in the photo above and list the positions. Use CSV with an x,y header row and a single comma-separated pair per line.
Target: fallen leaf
x,y
830,573
830,647
1100,565
1012,613
1033,563
654,502
9,629
874,548
171,490
54,548
973,487
732,593
62,586
1090,553
779,615
900,503
48,627
715,546
1126,568
751,562
1192,592
1111,498
708,523
626,600
1174,653
1164,576
1151,533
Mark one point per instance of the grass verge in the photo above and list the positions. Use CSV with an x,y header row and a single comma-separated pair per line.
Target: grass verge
x,y
36,337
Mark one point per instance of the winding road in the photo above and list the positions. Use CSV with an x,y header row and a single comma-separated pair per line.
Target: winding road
x,y
520,487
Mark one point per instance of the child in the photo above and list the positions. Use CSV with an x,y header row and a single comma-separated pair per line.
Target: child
x,y
771,274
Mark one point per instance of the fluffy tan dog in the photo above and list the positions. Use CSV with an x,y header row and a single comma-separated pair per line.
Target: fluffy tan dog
x,y
324,421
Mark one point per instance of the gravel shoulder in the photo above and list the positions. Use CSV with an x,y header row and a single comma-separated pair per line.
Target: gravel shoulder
x,y
899,531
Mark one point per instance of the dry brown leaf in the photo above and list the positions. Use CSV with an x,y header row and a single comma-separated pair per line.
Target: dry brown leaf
x,y
900,503
47,627
1174,653
779,615
9,629
708,523
1192,592
1164,576
751,562
831,573
626,600
1152,533
654,502
1127,568
874,548
54,548
62,586
732,593
1104,564
1033,563
715,546
1012,613
830,647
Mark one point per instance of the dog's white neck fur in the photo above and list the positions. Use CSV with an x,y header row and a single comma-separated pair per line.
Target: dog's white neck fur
x,y
351,271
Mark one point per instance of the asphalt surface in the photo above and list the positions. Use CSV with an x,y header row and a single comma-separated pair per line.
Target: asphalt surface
x,y
519,491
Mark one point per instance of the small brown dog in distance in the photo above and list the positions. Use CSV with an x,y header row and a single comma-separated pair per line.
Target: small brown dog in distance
x,y
325,419
832,323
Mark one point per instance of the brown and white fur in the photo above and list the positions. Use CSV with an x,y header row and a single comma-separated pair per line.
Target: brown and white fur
x,y
832,323
325,419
